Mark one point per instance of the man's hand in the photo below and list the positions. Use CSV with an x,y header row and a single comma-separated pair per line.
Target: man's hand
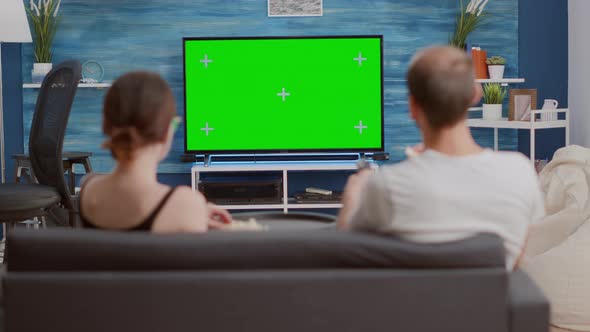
x,y
352,196
218,217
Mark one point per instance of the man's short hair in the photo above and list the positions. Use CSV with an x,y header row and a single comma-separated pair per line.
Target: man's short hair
x,y
441,80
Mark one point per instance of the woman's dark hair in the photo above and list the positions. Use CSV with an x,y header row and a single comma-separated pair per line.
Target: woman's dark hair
x,y
138,110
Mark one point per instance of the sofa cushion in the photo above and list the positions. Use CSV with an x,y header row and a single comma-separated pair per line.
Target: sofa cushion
x,y
97,250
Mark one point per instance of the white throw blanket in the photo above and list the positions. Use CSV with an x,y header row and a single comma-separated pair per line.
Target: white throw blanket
x,y
558,251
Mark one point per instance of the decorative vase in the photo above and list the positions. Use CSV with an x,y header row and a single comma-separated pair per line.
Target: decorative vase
x,y
479,63
39,71
496,71
492,112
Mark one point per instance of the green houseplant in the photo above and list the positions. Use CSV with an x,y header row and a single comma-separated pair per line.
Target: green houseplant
x,y
496,67
496,60
493,97
44,18
469,18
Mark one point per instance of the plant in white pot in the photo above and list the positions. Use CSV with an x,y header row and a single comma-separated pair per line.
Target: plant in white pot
x,y
496,66
44,20
493,97
470,17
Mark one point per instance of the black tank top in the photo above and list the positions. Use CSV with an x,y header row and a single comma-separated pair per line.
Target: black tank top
x,y
146,225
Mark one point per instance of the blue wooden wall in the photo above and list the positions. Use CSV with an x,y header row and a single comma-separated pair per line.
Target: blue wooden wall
x,y
129,35
545,65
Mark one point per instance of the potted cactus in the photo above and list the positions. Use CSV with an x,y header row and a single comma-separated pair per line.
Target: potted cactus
x,y
496,67
493,97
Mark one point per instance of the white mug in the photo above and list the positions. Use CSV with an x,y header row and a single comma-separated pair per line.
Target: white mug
x,y
549,104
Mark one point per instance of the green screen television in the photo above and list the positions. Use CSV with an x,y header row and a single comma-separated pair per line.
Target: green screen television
x,y
321,94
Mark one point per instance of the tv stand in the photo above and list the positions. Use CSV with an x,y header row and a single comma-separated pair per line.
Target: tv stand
x,y
287,203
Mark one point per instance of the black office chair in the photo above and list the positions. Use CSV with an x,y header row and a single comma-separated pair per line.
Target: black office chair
x,y
19,202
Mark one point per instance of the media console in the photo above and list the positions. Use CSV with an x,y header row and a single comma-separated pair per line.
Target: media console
x,y
284,168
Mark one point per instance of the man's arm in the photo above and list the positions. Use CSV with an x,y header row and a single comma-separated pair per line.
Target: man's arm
x,y
542,229
537,215
351,197
522,255
367,204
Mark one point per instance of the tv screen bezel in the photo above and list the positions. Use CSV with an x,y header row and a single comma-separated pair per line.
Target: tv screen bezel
x,y
283,151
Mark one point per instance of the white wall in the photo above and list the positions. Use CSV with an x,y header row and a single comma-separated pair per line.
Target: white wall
x,y
579,71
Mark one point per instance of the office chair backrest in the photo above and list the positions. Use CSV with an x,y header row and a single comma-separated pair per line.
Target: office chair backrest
x,y
48,128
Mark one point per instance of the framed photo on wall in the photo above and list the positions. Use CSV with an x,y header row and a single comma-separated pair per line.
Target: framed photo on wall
x,y
278,8
520,104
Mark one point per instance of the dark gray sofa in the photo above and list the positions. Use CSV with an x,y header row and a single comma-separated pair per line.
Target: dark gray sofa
x,y
306,281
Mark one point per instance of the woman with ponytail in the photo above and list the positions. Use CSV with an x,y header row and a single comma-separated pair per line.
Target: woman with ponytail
x,y
139,120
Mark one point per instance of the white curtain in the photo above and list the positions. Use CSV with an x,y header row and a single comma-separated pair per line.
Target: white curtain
x,y
579,70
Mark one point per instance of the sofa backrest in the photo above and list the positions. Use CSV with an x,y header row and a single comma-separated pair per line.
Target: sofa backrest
x,y
96,250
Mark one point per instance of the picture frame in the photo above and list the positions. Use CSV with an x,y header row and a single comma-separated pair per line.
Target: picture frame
x,y
520,104
290,8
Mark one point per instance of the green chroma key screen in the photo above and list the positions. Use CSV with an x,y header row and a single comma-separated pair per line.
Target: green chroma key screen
x,y
283,94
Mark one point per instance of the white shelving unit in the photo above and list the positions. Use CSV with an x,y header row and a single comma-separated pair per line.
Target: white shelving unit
x,y
504,81
285,168
80,85
534,124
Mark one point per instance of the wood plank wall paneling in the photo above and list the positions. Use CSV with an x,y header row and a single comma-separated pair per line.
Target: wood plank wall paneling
x,y
128,35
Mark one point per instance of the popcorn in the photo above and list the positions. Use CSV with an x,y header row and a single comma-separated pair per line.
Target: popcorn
x,y
250,225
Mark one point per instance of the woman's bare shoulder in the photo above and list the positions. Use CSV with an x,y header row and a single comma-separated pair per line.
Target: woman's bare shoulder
x,y
186,211
90,178
187,195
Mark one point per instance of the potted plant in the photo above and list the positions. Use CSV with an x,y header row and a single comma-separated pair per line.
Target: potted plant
x,y
493,97
496,67
468,19
44,20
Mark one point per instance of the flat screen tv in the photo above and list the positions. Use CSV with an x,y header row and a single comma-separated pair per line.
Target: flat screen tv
x,y
283,94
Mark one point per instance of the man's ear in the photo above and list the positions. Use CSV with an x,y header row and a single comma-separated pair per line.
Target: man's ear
x,y
414,108
477,94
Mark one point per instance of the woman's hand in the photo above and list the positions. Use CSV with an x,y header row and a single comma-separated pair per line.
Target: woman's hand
x,y
218,217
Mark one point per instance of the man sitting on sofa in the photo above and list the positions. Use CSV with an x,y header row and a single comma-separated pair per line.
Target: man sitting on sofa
x,y
454,188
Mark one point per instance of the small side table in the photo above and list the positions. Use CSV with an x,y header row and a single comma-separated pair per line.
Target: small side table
x,y
23,163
